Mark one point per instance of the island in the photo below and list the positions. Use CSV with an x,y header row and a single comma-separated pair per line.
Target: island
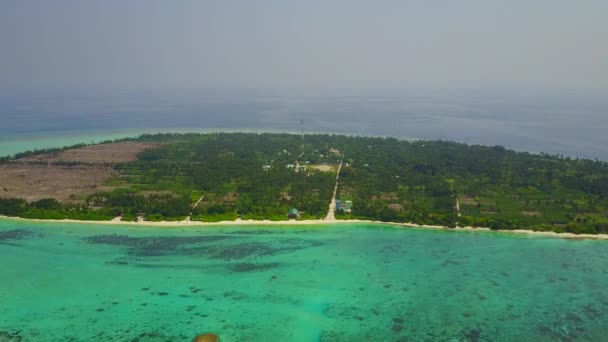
x,y
235,177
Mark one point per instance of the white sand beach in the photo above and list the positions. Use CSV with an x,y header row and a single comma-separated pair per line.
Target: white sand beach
x,y
238,222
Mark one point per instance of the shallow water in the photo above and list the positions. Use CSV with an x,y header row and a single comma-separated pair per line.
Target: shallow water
x,y
347,282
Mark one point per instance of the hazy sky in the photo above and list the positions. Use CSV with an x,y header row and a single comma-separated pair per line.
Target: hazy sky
x,y
118,44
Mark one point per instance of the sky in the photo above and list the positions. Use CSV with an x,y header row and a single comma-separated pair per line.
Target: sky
x,y
314,44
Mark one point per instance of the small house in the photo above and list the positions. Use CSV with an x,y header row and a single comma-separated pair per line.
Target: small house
x,y
266,167
338,204
348,206
293,213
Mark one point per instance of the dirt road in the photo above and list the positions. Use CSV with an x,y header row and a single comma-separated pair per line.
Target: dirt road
x,y
331,213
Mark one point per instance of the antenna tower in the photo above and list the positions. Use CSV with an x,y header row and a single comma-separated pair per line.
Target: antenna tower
x,y
302,136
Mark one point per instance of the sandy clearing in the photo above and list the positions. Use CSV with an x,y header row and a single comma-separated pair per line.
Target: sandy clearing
x,y
33,182
323,167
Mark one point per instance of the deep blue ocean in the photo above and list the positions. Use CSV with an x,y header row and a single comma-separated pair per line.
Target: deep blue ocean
x,y
556,123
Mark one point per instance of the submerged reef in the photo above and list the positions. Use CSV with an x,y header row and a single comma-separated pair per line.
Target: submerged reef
x,y
6,336
17,234
223,247
253,267
152,246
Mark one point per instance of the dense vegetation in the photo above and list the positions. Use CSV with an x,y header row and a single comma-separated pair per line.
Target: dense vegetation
x,y
420,182
236,175
53,210
213,177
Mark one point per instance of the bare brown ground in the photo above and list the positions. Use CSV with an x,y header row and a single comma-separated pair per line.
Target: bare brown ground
x,y
34,182
103,153
148,193
26,178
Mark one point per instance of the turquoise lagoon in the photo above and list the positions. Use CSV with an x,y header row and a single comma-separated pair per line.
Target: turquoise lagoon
x,y
341,282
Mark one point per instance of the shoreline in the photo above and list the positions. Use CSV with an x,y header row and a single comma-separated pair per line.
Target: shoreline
x,y
178,224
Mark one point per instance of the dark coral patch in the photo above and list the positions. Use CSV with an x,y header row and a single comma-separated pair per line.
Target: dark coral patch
x,y
256,249
201,246
472,335
397,327
551,334
480,296
234,295
573,318
10,337
117,262
252,232
592,312
237,252
155,245
17,234
251,267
